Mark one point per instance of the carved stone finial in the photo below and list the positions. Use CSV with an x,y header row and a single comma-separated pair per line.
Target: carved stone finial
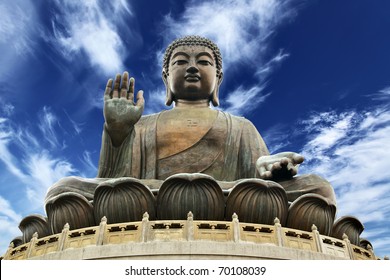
x,y
276,220
314,227
145,216
66,226
103,219
345,237
35,235
190,215
234,216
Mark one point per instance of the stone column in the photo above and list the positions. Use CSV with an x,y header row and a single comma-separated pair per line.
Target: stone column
x,y
7,255
236,228
190,226
317,238
31,245
102,231
279,232
349,247
145,227
63,237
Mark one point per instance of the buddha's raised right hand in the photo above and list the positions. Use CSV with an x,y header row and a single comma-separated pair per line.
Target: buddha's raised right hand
x,y
120,111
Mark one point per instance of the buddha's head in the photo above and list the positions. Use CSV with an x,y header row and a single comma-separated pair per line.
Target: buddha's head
x,y
192,70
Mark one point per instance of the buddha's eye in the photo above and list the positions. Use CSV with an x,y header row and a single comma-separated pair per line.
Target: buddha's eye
x,y
180,62
204,62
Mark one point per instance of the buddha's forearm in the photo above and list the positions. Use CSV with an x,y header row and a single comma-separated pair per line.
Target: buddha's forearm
x,y
118,133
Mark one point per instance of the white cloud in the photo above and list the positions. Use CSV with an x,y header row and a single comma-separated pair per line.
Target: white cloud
x,y
239,28
43,171
89,163
92,27
242,30
6,109
352,151
155,101
242,99
6,156
47,123
18,28
29,171
381,95
25,155
9,221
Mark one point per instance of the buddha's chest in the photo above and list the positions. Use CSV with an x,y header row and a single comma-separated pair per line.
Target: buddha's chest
x,y
178,130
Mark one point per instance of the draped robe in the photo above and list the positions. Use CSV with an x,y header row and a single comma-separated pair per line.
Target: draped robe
x,y
226,149
187,141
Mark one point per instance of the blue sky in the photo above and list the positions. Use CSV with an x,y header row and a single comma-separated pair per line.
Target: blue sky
x,y
313,76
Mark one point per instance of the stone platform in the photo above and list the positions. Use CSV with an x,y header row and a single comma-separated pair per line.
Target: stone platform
x,y
188,239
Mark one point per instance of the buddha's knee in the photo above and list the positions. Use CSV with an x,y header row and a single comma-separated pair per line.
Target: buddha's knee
x,y
313,202
73,184
68,201
309,184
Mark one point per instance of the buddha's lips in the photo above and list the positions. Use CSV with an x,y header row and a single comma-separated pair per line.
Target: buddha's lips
x,y
192,78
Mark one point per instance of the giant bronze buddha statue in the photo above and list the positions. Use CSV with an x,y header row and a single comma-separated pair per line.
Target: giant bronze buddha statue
x,y
189,143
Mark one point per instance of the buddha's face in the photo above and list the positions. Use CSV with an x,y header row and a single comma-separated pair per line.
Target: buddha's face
x,y
192,73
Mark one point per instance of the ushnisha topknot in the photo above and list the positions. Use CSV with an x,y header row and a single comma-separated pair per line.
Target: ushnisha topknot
x,y
193,40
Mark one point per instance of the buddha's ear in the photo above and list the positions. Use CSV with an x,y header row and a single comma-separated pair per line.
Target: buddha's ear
x,y
169,96
215,94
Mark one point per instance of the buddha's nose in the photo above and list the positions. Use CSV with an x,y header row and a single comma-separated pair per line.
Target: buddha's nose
x,y
192,69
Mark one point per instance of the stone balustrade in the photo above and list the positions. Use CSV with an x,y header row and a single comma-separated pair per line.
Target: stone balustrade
x,y
190,230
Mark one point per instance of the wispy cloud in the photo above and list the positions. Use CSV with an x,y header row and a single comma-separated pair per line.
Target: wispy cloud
x,y
92,27
352,149
27,157
9,220
243,31
89,163
381,95
242,98
47,123
18,28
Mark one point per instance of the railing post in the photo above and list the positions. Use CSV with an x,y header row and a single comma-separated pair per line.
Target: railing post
x,y
317,238
190,226
236,228
145,227
7,255
279,232
102,231
369,249
63,237
31,245
349,247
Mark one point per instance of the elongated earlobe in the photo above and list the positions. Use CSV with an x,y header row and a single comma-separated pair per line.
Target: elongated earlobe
x,y
168,94
215,94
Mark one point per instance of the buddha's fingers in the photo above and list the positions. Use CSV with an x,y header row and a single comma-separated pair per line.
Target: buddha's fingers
x,y
284,161
277,165
140,99
108,91
125,85
130,93
267,175
298,159
117,83
292,169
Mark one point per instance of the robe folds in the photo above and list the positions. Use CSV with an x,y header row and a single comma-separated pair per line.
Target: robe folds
x,y
227,150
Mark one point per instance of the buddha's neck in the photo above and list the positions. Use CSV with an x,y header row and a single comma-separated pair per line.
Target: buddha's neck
x,y
181,103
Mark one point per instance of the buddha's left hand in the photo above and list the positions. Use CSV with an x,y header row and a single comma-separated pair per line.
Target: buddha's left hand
x,y
279,166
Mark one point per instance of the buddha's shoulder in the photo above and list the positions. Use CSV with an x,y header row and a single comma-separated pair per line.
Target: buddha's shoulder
x,y
235,119
148,119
